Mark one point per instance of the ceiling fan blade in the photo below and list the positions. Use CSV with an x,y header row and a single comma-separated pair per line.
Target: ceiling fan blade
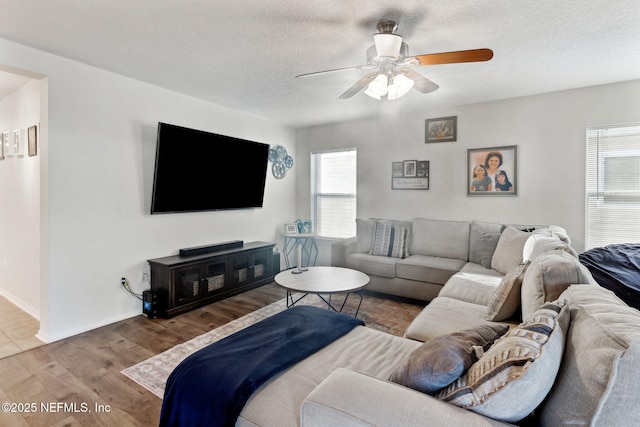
x,y
360,84
358,67
421,83
473,55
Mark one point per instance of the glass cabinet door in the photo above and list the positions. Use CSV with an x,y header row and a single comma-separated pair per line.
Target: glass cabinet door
x,y
187,284
261,264
214,277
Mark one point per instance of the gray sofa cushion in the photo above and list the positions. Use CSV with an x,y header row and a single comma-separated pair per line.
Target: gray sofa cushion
x,y
508,252
277,403
483,239
448,239
428,268
372,264
442,360
548,276
471,287
445,315
513,377
598,383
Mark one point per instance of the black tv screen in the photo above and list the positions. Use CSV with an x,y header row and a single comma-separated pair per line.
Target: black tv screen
x,y
203,171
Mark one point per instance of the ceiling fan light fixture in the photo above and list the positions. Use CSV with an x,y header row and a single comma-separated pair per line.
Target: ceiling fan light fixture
x,y
400,86
378,87
387,45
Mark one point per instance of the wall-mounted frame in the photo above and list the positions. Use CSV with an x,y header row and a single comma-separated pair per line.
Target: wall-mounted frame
x,y
442,129
32,136
492,171
17,143
5,144
410,175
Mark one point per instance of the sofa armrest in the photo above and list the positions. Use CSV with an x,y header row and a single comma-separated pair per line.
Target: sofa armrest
x,y
340,250
349,399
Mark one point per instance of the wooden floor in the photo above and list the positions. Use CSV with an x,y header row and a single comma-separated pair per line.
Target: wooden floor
x,y
17,330
77,381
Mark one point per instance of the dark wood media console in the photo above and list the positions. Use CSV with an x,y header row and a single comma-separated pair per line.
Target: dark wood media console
x,y
183,283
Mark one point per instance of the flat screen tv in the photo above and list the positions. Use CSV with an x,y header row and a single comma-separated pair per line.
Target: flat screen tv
x,y
203,171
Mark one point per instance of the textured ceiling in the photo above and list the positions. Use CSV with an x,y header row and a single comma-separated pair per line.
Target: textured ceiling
x,y
244,55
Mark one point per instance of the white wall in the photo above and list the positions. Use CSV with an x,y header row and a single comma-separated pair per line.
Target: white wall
x,y
549,130
20,212
98,172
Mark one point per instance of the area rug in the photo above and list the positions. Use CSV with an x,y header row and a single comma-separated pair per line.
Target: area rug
x,y
390,316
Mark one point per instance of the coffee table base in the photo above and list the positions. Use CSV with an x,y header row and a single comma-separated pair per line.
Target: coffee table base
x,y
291,302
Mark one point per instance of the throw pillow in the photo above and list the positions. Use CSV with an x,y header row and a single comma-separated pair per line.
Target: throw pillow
x,y
506,299
389,240
442,360
514,376
364,232
483,239
508,252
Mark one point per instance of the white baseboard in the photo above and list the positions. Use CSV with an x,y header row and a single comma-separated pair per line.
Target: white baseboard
x,y
85,328
31,311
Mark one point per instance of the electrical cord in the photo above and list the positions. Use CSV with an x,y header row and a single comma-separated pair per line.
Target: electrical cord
x,y
125,284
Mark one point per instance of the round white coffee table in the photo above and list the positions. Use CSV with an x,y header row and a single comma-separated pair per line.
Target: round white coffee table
x,y
322,280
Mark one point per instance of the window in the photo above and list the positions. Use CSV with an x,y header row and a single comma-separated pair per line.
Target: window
x,y
613,185
333,193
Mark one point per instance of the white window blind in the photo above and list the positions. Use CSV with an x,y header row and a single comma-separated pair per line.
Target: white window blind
x,y
333,188
613,185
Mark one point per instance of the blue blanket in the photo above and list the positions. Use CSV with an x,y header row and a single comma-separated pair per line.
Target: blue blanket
x,y
210,387
617,268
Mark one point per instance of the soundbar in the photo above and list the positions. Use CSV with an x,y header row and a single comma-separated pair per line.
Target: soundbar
x,y
199,250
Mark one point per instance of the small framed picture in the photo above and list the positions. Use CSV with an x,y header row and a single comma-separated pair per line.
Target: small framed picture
x,y
290,228
410,167
4,151
492,171
410,175
16,142
442,129
32,137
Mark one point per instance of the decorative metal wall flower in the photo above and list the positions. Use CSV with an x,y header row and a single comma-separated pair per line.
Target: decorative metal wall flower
x,y
282,162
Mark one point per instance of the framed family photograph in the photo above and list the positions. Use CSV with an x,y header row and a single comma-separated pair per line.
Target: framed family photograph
x,y
492,171
442,129
410,175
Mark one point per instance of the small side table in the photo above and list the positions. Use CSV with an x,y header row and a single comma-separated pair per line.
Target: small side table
x,y
309,247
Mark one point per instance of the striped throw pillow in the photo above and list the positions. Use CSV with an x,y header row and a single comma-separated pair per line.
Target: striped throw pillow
x,y
514,376
389,240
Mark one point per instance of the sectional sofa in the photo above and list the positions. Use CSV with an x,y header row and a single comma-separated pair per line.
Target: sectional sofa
x,y
523,336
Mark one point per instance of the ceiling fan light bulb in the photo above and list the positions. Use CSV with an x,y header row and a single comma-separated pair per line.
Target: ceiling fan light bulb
x,y
387,45
378,87
400,87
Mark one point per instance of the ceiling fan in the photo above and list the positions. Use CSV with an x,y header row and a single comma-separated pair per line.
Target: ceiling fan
x,y
389,57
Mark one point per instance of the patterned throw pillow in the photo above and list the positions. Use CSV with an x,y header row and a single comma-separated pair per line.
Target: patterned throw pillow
x,y
389,240
514,376
442,360
506,299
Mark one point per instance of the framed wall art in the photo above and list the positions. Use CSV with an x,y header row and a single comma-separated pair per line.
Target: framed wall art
x,y
410,175
442,129
492,171
5,145
18,143
32,140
